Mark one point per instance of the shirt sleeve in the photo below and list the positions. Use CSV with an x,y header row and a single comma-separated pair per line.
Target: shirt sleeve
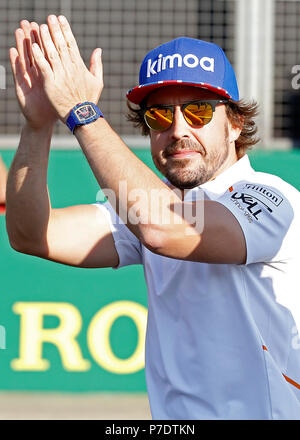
x,y
265,216
128,247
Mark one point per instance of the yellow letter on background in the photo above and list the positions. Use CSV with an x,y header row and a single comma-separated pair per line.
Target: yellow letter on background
x,y
33,335
99,342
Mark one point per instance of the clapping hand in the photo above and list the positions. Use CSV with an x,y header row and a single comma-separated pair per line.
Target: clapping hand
x,y
29,82
50,74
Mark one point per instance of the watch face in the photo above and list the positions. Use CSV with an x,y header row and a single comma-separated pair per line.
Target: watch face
x,y
85,112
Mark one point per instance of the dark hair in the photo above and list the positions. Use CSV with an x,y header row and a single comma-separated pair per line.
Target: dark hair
x,y
240,114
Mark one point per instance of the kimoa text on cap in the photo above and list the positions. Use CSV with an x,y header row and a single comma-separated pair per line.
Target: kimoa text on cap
x,y
190,60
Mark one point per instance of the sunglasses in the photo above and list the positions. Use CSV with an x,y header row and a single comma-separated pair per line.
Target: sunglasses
x,y
196,114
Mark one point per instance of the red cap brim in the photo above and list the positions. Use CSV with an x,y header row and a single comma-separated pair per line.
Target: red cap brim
x,y
137,94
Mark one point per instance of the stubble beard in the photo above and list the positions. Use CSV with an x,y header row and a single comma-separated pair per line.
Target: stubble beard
x,y
184,174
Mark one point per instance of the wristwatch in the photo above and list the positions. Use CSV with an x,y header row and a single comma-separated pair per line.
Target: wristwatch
x,y
83,113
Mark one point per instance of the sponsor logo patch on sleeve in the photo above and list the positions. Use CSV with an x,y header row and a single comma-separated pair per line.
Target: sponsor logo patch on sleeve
x,y
253,199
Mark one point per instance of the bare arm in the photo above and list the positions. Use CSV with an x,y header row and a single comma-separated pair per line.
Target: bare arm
x,y
217,238
79,235
3,178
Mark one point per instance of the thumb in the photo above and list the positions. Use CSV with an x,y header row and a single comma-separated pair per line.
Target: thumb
x,y
96,67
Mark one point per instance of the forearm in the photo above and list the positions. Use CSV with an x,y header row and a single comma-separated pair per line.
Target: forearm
x,y
28,205
116,168
3,178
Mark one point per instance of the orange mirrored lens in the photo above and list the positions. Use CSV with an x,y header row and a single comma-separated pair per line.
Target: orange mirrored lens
x,y
198,114
159,118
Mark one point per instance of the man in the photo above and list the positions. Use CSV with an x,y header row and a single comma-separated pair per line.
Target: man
x,y
222,339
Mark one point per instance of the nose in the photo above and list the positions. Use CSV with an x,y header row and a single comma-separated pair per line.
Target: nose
x,y
179,128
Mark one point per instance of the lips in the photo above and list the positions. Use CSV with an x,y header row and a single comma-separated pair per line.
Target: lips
x,y
183,148
183,153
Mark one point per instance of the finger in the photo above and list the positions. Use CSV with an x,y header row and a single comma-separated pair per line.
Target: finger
x,y
58,38
35,35
35,38
68,35
13,55
25,26
22,50
36,32
14,62
41,62
96,67
18,73
50,49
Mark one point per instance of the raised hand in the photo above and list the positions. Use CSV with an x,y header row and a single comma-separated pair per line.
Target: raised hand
x,y
67,81
29,83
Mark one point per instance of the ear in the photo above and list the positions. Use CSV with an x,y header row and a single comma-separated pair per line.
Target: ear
x,y
235,128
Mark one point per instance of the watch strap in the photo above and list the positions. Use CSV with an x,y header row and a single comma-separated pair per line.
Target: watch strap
x,y
82,114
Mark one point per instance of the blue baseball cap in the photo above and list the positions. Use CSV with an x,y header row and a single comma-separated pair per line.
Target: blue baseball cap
x,y
186,61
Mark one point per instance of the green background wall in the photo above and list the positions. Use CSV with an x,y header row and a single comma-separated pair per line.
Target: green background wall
x,y
29,279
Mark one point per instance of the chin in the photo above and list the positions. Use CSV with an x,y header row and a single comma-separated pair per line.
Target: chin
x,y
184,182
188,177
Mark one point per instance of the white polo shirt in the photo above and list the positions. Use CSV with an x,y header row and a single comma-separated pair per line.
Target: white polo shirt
x,y
222,339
